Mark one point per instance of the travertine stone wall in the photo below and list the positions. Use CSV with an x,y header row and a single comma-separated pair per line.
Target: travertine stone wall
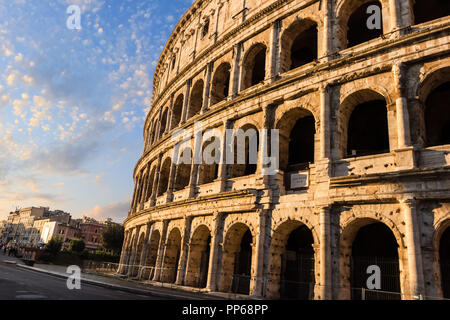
x,y
189,219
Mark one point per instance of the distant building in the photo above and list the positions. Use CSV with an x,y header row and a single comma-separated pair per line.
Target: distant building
x,y
91,230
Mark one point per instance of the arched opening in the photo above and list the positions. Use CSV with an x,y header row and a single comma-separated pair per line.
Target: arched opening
x,y
154,135
246,147
205,29
368,131
299,45
297,142
437,116
171,257
208,172
196,99
163,123
375,245
220,83
237,260
444,262
297,266
149,271
427,10
357,25
199,252
177,111
254,66
150,185
137,259
164,177
183,172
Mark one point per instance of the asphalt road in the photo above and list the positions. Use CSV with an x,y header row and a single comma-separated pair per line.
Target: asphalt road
x,y
20,284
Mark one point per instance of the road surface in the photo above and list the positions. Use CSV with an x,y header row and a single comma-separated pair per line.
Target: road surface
x,y
22,284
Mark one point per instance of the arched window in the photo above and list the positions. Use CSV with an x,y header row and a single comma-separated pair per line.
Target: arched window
x,y
205,29
299,45
164,177
199,252
220,83
427,10
177,111
437,116
183,172
163,123
196,99
368,129
208,172
245,146
171,257
254,66
375,245
357,25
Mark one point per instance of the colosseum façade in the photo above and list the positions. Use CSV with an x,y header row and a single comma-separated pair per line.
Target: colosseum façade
x,y
363,176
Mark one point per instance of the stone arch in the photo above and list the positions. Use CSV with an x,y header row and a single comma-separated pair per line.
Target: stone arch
x,y
441,245
352,18
427,10
198,259
177,110
369,102
299,44
151,179
236,259
163,126
208,172
281,278
154,134
164,176
432,92
138,254
152,255
220,88
196,101
250,142
297,126
171,256
183,171
254,66
349,232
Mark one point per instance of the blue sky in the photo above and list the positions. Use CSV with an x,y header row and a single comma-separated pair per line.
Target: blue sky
x,y
73,102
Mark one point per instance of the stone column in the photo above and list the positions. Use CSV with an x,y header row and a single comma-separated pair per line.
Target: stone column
x,y
327,33
413,249
207,88
395,15
144,251
325,289
144,187
325,109
134,196
235,71
170,125
403,129
184,252
216,239
274,65
259,274
161,249
169,194
223,165
123,254
187,99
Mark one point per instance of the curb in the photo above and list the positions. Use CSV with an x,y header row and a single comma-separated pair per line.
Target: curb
x,y
112,286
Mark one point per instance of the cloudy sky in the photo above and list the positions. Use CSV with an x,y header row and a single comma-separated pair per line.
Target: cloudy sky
x,y
73,102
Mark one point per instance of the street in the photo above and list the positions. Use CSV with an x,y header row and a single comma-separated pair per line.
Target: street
x,y
20,284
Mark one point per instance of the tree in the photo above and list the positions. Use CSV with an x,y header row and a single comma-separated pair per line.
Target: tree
x,y
54,246
77,245
112,237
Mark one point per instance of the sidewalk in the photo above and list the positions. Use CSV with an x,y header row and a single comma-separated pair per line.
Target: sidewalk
x,y
115,282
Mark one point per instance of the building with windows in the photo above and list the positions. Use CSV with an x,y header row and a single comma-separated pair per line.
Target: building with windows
x,y
91,230
363,176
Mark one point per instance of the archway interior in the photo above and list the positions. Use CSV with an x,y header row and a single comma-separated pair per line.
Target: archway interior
x,y
220,84
357,26
177,111
183,170
301,144
171,257
304,48
368,132
297,266
164,177
437,116
243,265
199,252
209,171
444,258
152,255
150,185
254,66
375,245
163,123
250,153
196,99
427,10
